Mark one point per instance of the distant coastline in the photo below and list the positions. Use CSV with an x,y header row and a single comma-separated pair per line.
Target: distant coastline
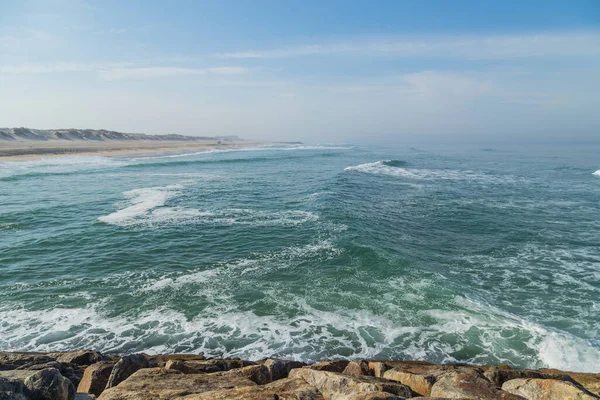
x,y
20,144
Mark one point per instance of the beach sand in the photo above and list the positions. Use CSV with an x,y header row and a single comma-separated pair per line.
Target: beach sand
x,y
31,150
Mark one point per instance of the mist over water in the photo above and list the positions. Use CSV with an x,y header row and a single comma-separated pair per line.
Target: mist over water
x,y
478,255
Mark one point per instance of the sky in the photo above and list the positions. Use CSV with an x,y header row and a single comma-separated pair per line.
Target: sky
x,y
317,71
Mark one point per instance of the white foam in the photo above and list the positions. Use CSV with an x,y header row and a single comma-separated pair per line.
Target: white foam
x,y
57,165
252,148
596,173
141,201
381,168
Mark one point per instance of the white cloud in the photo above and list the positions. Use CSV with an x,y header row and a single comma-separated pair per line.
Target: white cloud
x,y
461,47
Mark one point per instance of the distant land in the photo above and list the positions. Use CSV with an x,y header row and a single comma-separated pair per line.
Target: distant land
x,y
18,144
97,134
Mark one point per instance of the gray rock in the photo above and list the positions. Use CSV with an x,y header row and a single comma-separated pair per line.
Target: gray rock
x,y
280,369
49,384
125,368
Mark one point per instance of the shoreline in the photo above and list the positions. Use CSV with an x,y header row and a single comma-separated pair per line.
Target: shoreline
x,y
89,374
29,150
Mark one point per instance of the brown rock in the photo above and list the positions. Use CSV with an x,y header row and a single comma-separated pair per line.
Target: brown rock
x,y
280,369
49,384
374,396
95,378
331,366
283,389
81,357
419,383
589,381
125,368
547,389
468,384
258,374
159,360
206,366
377,368
498,376
357,368
336,386
10,360
164,384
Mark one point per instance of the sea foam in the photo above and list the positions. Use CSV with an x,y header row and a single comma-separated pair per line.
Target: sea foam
x,y
396,168
597,173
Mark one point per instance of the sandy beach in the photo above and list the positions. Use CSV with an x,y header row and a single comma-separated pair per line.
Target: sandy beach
x,y
31,150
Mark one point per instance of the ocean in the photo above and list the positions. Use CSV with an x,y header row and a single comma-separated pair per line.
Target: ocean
x,y
445,254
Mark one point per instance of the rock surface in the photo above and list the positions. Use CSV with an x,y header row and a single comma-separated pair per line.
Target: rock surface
x,y
125,368
547,389
161,383
54,376
336,386
95,378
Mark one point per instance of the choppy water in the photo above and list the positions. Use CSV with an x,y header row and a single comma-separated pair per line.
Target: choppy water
x,y
473,255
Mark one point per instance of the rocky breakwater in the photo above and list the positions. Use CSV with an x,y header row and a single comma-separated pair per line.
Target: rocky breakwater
x,y
89,374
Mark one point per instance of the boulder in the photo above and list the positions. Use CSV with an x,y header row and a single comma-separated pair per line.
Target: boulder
x,y
283,389
10,360
331,366
421,384
280,369
125,368
336,386
206,366
12,389
95,378
161,383
547,389
80,357
500,375
357,368
589,381
258,374
377,368
159,360
49,384
468,384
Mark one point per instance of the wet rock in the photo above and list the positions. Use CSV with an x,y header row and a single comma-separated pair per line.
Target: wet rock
x,y
95,378
161,383
125,368
419,383
49,384
547,389
331,366
280,369
357,368
336,386
468,384
206,366
283,389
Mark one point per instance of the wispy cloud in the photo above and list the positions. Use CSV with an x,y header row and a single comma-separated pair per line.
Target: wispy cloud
x,y
159,72
462,47
123,70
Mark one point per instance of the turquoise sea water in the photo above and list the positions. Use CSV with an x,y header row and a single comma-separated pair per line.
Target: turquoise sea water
x,y
442,254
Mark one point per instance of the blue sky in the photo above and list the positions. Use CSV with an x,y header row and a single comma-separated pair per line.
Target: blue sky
x,y
454,71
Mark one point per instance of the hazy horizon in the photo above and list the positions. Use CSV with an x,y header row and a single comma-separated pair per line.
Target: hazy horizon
x,y
468,72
